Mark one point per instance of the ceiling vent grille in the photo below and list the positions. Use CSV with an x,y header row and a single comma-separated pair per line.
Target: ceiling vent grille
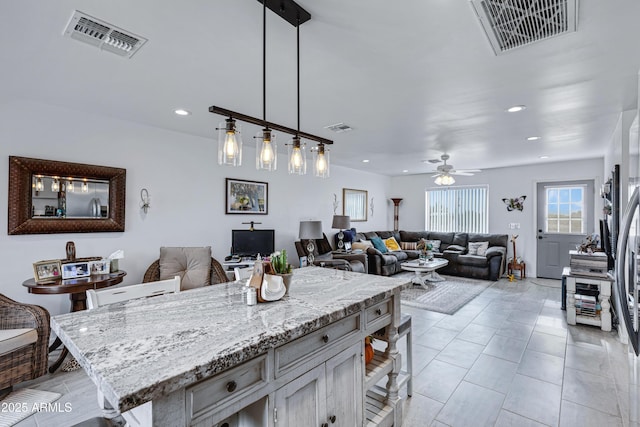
x,y
103,35
510,24
339,128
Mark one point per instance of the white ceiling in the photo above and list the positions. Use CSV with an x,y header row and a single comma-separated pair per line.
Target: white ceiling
x,y
413,79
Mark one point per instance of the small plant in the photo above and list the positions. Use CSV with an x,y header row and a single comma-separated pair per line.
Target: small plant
x,y
279,262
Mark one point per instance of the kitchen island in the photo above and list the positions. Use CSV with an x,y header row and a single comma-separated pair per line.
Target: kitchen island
x,y
203,356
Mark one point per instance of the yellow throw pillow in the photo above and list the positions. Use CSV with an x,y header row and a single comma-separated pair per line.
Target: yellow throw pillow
x,y
392,244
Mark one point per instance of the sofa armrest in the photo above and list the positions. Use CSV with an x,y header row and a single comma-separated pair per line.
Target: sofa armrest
x,y
495,251
362,257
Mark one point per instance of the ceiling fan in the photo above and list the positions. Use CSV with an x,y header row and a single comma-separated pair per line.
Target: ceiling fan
x,y
443,172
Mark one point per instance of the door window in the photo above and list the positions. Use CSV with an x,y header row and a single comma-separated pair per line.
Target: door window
x,y
565,210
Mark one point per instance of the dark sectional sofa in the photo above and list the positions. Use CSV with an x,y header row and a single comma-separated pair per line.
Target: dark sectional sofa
x,y
453,247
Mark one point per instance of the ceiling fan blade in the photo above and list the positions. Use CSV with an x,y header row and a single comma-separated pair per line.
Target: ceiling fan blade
x,y
461,173
470,170
438,174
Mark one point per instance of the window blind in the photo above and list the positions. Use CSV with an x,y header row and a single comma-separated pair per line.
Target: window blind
x,y
461,209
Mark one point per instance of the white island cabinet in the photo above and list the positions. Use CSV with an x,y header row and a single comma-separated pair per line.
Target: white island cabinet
x,y
204,358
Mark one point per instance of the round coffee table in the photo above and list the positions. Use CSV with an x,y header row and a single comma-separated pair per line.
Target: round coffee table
x,y
425,272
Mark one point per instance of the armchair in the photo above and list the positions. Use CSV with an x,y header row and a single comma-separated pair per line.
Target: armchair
x,y
24,340
323,256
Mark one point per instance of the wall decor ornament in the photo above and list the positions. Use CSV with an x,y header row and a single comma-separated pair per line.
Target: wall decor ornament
x,y
515,204
336,203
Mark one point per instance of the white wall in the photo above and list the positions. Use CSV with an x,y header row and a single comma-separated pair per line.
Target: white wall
x,y
184,181
503,183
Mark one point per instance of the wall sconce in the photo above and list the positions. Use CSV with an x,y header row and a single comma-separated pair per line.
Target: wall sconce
x,y
145,203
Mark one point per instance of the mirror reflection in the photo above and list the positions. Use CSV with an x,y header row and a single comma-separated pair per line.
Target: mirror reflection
x,y
69,197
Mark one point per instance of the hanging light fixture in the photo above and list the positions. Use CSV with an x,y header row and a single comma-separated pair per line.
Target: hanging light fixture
x,y
266,148
229,142
39,184
85,186
55,185
321,161
444,179
70,187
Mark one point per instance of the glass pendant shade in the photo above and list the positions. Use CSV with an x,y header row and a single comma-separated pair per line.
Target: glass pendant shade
x,y
70,187
39,184
55,185
85,187
297,157
266,149
321,162
229,143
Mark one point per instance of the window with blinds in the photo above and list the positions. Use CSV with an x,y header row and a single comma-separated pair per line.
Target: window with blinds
x,y
461,209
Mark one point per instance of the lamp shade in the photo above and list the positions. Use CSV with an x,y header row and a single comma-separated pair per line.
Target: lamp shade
x,y
310,230
341,222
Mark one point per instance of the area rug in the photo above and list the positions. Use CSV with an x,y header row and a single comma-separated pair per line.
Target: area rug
x,y
25,402
444,297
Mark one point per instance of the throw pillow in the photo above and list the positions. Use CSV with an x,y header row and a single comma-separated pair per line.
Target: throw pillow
x,y
408,246
193,265
478,248
392,244
379,244
435,245
363,245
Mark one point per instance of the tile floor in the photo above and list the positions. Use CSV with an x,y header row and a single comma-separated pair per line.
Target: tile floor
x,y
507,358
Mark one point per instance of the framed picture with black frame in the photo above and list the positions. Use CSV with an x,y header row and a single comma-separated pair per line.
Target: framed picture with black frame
x,y
246,197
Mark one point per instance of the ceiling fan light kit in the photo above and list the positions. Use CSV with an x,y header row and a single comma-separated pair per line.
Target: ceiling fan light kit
x,y
444,172
229,136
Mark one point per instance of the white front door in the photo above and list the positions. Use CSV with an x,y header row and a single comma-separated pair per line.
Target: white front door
x,y
565,218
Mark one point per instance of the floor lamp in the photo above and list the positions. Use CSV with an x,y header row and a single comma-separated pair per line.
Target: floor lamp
x,y
310,230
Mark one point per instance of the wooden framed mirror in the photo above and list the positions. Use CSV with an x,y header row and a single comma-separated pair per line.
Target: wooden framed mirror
x,y
41,190
354,204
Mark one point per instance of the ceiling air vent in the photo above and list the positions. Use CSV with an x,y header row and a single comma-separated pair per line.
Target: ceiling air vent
x,y
103,35
339,128
514,23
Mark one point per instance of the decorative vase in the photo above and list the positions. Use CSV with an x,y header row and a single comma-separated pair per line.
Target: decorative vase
x,y
286,278
368,350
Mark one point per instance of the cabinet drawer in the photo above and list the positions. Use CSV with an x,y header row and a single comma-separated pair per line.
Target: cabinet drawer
x,y
378,315
303,348
209,395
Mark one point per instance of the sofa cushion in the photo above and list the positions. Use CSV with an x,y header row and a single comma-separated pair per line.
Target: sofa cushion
x,y
379,244
455,248
193,265
370,235
413,236
408,246
363,245
475,260
478,248
391,244
495,251
400,255
13,339
493,239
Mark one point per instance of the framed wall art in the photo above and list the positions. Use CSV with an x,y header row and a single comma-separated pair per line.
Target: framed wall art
x,y
246,197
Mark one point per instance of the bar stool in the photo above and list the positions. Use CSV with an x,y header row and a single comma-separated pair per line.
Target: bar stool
x,y
406,376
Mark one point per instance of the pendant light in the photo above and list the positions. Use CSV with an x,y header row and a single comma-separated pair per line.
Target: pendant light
x,y
297,150
55,185
266,148
229,143
321,161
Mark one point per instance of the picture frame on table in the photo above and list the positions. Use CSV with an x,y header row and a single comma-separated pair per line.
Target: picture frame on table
x,y
246,197
47,271
347,246
101,266
74,270
303,261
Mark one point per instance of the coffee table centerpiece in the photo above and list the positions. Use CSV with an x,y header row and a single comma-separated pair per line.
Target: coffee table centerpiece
x,y
425,271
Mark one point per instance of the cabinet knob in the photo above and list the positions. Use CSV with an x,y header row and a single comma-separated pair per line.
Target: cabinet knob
x,y
231,386
332,418
379,312
325,338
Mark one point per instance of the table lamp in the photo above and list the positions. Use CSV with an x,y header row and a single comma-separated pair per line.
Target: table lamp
x,y
341,222
310,230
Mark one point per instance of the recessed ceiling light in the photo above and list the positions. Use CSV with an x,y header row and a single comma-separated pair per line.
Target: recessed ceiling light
x,y
534,138
365,161
516,108
544,157
182,112
405,171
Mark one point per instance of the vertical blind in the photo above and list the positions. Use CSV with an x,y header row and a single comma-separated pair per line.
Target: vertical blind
x,y
355,205
461,209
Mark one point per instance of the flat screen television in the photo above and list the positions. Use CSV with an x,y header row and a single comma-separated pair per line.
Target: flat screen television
x,y
247,243
606,243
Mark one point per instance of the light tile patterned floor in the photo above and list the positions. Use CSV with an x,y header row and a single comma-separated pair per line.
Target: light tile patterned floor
x,y
507,358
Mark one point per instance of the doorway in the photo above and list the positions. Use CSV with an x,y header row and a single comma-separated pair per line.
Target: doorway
x,y
564,219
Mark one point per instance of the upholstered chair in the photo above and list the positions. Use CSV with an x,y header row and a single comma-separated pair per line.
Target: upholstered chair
x,y
24,340
194,265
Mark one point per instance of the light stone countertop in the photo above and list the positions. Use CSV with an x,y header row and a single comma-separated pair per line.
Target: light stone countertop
x,y
137,350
